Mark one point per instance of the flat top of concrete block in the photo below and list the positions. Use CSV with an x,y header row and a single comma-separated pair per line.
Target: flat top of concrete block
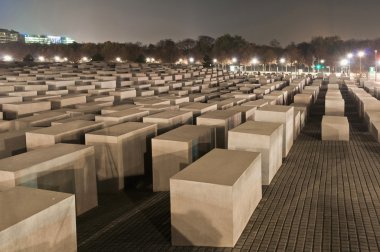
x,y
198,105
276,108
38,156
298,105
121,107
219,166
169,114
67,127
123,128
304,94
219,114
242,108
185,133
335,119
123,113
257,103
20,203
257,128
42,116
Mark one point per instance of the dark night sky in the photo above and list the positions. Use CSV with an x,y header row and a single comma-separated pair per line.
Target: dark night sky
x,y
151,20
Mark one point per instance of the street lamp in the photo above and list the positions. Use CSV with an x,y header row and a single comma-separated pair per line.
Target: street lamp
x,y
57,58
361,54
41,58
254,61
343,63
191,60
282,61
349,57
234,60
118,59
7,58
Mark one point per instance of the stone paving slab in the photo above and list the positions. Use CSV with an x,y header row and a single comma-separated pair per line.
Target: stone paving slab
x,y
325,197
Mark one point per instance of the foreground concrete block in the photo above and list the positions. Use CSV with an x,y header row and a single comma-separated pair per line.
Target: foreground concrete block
x,y
68,168
279,114
71,132
37,220
335,128
263,137
222,120
210,202
176,149
121,151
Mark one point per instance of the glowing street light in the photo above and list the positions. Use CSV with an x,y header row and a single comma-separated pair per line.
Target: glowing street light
x,y
118,59
7,58
152,59
322,61
41,58
350,55
234,60
215,61
148,60
282,61
191,60
254,61
344,62
57,58
65,59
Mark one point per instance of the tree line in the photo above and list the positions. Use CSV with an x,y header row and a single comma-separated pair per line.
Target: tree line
x,y
331,49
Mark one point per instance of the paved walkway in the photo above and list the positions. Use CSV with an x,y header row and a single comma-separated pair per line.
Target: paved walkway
x,y
325,197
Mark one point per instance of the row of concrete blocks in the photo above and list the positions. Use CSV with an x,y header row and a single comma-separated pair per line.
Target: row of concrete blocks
x,y
62,155
334,126
212,203
369,109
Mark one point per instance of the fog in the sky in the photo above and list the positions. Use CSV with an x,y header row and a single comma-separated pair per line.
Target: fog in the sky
x,y
148,21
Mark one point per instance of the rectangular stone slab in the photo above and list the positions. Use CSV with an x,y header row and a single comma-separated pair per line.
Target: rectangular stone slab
x,y
222,120
174,150
210,203
334,107
71,132
170,119
13,142
199,108
263,137
68,101
130,115
279,114
37,220
335,128
22,109
120,151
247,112
40,120
68,168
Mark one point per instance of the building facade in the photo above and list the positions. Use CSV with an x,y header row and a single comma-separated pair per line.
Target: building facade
x,y
47,40
7,36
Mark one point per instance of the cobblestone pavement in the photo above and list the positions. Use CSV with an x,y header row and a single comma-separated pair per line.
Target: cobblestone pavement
x,y
325,197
